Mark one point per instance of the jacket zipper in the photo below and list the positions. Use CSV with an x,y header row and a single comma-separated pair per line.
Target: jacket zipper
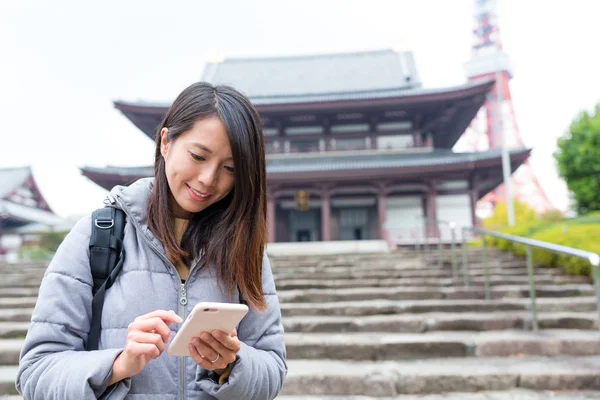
x,y
183,287
182,303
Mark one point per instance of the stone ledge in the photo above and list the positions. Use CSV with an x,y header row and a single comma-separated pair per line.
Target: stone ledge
x,y
388,379
329,248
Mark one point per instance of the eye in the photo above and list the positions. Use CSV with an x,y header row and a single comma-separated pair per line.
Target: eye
x,y
230,169
196,157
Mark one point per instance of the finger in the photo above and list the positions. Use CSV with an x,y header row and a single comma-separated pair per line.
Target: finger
x,y
155,324
145,350
226,353
204,349
167,316
229,342
148,338
196,356
198,359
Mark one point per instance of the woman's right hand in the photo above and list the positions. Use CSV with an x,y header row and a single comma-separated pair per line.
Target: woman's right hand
x,y
146,340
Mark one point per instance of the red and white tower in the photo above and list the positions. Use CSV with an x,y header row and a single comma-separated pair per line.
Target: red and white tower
x,y
496,119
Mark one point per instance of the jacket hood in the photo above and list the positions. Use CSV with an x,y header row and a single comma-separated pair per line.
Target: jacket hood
x,y
133,199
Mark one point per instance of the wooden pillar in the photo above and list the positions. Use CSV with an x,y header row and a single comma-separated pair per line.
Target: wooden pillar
x,y
424,222
432,210
473,197
417,139
271,206
381,213
325,215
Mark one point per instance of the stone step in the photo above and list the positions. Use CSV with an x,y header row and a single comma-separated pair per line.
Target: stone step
x,y
406,323
400,263
416,273
475,281
23,266
11,283
409,346
8,377
516,394
9,351
429,322
404,265
381,307
15,314
17,302
431,270
430,292
311,261
401,266
28,274
13,330
18,292
436,376
349,282
383,346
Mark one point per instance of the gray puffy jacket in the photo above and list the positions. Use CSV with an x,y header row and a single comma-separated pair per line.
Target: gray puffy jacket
x,y
54,364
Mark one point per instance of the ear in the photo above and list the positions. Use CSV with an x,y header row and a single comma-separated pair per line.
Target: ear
x,y
164,142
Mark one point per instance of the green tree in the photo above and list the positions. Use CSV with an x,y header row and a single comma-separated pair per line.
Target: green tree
x,y
578,158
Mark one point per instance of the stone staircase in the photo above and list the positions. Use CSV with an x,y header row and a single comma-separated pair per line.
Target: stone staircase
x,y
397,325
19,285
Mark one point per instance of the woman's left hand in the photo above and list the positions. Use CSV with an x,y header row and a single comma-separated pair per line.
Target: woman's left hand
x,y
214,351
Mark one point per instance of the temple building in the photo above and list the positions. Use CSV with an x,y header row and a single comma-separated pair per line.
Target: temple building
x,y
356,147
24,212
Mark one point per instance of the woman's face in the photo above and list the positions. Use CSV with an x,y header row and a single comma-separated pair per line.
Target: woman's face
x,y
199,166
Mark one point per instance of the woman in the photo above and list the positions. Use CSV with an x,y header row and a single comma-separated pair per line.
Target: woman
x,y
195,232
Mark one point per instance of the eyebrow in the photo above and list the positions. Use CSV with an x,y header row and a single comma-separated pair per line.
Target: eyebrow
x,y
201,146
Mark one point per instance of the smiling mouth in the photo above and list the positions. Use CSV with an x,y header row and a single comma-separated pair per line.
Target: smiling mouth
x,y
199,194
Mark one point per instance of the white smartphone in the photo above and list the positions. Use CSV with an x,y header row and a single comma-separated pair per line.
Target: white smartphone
x,y
206,317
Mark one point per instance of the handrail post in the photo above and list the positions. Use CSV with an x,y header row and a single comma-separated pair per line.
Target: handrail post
x,y
488,295
465,256
419,231
595,261
439,249
427,249
534,317
453,249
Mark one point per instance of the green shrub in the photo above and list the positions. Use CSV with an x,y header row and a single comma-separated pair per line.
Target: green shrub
x,y
34,253
583,237
580,233
524,215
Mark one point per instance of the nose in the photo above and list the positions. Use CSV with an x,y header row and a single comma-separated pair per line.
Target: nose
x,y
208,176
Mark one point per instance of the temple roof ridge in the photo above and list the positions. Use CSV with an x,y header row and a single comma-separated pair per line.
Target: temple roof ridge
x,y
13,177
310,56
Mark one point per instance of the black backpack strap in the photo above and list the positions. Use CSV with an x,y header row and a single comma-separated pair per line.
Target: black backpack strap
x,y
106,260
241,297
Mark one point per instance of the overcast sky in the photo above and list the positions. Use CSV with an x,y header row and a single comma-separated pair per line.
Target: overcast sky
x,y
64,62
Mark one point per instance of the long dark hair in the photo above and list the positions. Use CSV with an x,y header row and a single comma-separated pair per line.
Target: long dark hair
x,y
230,235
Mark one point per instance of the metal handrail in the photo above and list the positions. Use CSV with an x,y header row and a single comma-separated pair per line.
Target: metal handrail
x,y
452,226
592,258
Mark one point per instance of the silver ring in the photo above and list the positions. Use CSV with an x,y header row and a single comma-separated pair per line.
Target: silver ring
x,y
216,359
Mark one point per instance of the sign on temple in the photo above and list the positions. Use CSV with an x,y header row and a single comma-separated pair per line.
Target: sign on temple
x,y
357,132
